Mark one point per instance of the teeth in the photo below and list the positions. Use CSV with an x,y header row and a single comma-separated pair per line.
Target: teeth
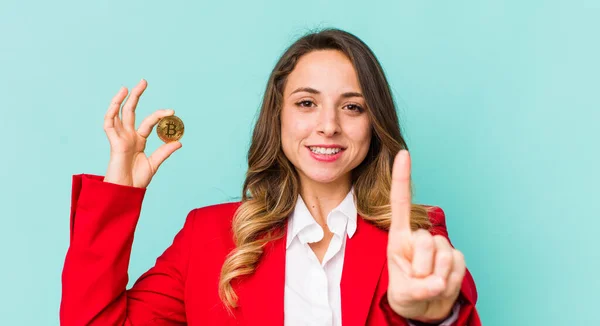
x,y
322,150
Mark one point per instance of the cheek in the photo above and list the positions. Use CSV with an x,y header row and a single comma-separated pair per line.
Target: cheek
x,y
294,127
360,133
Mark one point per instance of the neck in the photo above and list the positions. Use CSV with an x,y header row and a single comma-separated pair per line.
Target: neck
x,y
322,198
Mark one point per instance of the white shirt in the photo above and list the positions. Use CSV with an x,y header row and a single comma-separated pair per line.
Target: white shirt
x,y
312,289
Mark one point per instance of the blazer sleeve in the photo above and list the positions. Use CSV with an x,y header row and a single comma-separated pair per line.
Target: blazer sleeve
x,y
94,278
467,298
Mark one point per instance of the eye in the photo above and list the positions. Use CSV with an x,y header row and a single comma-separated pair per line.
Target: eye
x,y
305,103
354,107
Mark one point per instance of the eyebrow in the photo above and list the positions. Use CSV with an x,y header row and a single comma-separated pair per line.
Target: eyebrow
x,y
314,91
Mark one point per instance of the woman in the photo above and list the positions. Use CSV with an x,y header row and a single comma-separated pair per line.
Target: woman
x,y
325,233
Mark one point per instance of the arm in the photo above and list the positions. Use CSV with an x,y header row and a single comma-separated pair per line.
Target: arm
x,y
103,221
467,314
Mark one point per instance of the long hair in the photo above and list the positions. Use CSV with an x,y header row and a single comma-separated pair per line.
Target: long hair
x,y
271,187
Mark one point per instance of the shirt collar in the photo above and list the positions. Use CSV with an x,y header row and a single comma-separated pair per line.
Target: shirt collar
x,y
342,218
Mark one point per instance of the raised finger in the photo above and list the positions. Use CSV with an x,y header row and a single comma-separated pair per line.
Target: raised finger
x,y
162,153
423,253
113,109
150,121
443,257
131,103
456,275
400,195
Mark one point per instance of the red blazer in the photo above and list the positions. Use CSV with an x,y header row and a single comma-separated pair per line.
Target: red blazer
x,y
182,286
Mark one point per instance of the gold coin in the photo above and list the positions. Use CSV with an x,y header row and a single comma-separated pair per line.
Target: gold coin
x,y
169,129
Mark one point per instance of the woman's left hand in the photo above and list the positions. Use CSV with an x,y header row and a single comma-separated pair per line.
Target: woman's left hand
x,y
425,272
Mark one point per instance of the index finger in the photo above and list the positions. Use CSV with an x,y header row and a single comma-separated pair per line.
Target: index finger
x,y
128,110
400,195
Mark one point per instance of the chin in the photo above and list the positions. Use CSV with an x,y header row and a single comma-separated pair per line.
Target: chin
x,y
322,176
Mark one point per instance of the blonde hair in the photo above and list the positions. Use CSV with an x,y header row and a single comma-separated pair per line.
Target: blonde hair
x,y
271,187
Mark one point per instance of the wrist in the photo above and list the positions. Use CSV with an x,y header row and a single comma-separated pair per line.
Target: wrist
x,y
443,318
433,320
115,173
118,178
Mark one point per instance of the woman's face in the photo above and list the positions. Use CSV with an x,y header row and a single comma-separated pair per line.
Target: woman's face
x,y
325,130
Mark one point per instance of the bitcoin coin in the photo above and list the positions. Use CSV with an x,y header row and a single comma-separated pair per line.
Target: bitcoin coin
x,y
170,129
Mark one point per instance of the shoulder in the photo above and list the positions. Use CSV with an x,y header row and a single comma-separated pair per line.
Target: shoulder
x,y
222,209
437,217
436,214
213,219
219,215
209,238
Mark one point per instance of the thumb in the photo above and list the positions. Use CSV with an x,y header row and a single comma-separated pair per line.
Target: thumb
x,y
163,152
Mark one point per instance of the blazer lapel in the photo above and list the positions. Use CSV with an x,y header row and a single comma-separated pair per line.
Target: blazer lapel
x,y
364,259
261,294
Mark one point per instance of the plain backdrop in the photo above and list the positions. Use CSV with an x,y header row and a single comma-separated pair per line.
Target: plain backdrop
x,y
499,101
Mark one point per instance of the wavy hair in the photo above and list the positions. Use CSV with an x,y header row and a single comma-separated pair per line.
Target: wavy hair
x,y
271,187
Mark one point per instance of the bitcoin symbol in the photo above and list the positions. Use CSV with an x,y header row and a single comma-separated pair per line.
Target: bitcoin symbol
x,y
170,128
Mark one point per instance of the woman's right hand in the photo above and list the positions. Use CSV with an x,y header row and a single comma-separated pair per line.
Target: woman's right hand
x,y
128,164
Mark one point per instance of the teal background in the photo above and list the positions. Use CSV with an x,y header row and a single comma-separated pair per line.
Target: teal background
x,y
499,101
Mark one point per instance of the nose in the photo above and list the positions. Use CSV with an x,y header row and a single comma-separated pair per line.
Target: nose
x,y
328,124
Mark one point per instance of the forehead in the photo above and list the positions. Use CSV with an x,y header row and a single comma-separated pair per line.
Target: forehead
x,y
328,71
